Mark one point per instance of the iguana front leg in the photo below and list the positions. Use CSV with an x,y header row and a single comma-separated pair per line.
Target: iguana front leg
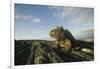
x,y
66,44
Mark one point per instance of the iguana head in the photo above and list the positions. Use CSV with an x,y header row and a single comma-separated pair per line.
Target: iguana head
x,y
56,33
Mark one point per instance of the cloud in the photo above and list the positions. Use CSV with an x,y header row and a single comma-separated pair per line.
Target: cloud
x,y
86,34
27,17
73,14
68,11
36,20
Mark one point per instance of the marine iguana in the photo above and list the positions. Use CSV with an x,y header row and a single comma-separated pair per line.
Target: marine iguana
x,y
64,38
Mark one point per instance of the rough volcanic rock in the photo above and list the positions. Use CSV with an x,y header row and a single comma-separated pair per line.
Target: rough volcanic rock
x,y
42,52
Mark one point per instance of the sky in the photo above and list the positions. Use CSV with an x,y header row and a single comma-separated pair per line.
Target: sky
x,y
35,21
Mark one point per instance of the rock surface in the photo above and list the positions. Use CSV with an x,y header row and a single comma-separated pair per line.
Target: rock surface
x,y
43,52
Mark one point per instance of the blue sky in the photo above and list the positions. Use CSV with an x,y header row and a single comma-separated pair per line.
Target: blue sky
x,y
35,21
